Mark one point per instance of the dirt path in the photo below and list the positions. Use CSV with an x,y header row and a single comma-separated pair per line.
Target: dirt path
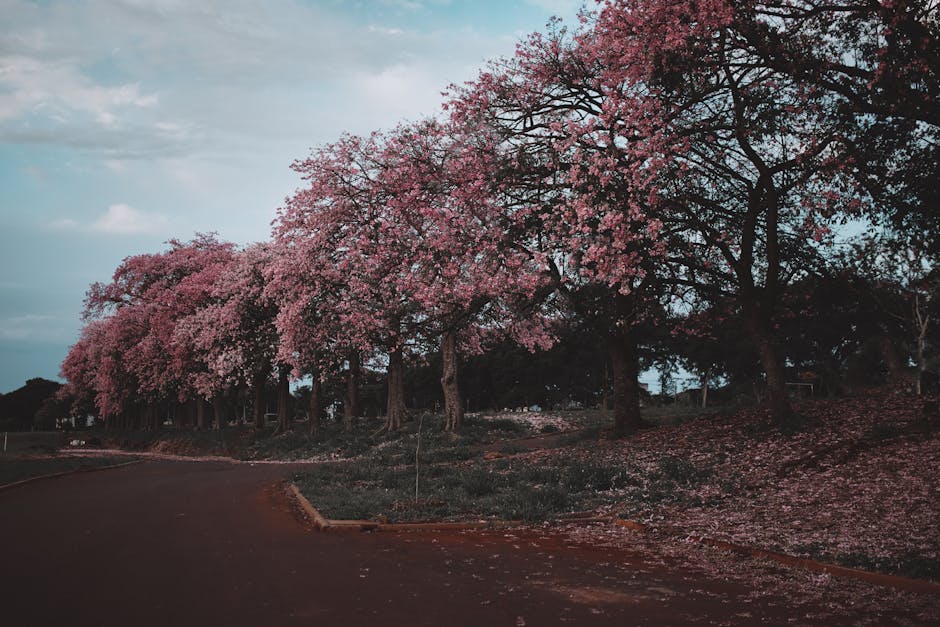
x,y
177,543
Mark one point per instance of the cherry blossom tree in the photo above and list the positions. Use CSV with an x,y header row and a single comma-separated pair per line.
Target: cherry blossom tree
x,y
400,232
578,189
749,167
148,295
233,334
328,311
459,250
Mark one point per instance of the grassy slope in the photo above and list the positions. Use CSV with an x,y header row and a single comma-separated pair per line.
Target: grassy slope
x,y
854,484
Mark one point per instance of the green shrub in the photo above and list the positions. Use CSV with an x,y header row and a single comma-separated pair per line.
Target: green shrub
x,y
538,503
579,477
478,482
680,470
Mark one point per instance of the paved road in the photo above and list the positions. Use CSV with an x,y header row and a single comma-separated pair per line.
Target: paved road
x,y
178,543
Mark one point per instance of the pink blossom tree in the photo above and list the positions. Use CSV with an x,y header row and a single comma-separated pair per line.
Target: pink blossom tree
x,y
328,314
578,190
747,160
401,231
148,295
233,334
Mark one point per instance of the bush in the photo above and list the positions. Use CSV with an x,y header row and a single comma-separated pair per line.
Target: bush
x,y
580,477
478,482
534,504
680,470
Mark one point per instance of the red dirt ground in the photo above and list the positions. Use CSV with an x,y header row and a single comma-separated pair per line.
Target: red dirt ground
x,y
184,543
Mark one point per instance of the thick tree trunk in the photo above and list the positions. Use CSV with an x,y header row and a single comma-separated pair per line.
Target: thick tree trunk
x,y
314,407
889,353
351,397
395,408
625,368
218,411
200,414
257,387
777,398
283,400
453,405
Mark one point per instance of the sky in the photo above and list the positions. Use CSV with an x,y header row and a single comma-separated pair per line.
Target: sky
x,y
125,123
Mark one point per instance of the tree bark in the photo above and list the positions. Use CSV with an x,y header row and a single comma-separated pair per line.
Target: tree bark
x,y
200,414
351,397
705,376
922,320
257,386
283,400
395,407
889,353
218,410
314,407
453,405
625,369
777,399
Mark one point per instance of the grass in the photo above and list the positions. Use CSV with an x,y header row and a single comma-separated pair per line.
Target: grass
x,y
505,489
12,471
907,565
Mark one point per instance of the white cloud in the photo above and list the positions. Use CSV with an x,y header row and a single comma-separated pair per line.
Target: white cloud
x,y
118,219
58,88
400,91
129,79
23,327
121,219
385,30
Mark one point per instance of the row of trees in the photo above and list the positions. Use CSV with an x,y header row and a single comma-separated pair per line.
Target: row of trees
x,y
668,165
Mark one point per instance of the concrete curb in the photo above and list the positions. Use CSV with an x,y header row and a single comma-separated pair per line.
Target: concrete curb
x,y
322,523
16,484
891,581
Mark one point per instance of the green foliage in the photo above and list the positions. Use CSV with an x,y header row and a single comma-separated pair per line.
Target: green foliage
x,y
479,481
17,408
679,470
536,503
588,476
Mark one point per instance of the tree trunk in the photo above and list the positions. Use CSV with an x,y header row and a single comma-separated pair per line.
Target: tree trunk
x,y
314,407
218,410
200,414
395,408
889,353
453,406
922,320
625,368
257,386
705,389
283,400
351,397
770,359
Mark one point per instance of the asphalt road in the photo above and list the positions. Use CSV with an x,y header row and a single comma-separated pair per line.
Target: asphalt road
x,y
179,543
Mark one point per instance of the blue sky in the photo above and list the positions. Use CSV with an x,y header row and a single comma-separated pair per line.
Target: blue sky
x,y
124,123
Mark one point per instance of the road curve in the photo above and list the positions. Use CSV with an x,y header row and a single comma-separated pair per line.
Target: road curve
x,y
178,543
